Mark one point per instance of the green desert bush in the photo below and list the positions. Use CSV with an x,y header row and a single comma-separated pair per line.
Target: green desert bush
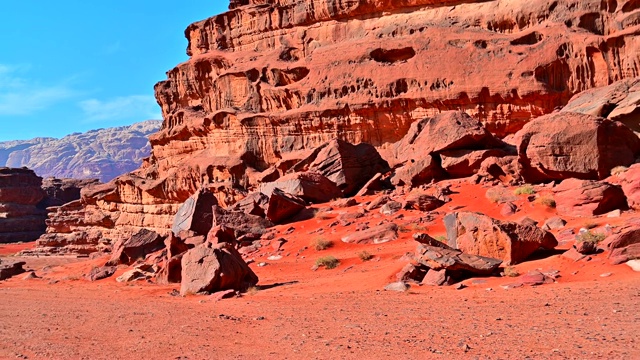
x,y
365,255
525,190
591,237
321,244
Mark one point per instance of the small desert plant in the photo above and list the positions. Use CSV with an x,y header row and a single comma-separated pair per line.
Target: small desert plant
x,y
329,262
403,228
510,271
365,255
252,290
618,170
525,190
441,238
547,201
321,244
591,237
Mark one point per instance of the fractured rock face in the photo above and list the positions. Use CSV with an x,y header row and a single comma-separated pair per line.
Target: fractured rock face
x,y
478,234
20,193
565,145
136,247
309,186
195,214
9,268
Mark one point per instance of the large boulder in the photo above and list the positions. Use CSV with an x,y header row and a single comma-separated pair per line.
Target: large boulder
x,y
240,222
478,234
138,246
587,198
283,206
629,180
619,101
452,139
20,217
9,268
624,246
570,145
309,186
195,214
449,130
255,203
348,166
214,267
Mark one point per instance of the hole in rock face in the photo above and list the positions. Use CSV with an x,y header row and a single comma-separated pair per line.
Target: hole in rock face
x,y
631,5
609,5
290,54
480,44
592,22
555,75
289,76
393,55
529,39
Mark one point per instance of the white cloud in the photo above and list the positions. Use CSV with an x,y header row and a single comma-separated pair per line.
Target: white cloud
x,y
141,107
21,96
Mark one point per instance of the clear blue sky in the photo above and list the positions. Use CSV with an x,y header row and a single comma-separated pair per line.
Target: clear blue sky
x,y
75,65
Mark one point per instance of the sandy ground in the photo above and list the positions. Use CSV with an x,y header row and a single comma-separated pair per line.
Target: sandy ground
x,y
298,313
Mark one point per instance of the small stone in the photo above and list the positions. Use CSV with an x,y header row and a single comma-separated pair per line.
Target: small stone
x,y
262,264
275,257
634,265
397,286
606,274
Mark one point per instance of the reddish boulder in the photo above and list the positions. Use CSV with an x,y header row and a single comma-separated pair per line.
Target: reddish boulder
x,y
464,163
569,145
138,246
421,202
348,166
437,278
629,180
100,273
241,223
195,214
619,101
577,198
375,235
255,203
9,268
62,191
20,217
624,246
418,171
478,234
411,273
215,267
283,206
309,186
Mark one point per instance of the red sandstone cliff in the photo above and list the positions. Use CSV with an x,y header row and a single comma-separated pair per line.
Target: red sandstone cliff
x,y
271,78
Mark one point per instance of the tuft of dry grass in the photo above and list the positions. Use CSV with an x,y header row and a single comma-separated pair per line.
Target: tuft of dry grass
x,y
252,290
321,244
365,255
618,170
510,271
547,201
525,190
329,262
591,237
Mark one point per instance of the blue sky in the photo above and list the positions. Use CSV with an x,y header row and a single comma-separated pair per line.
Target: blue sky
x,y
71,66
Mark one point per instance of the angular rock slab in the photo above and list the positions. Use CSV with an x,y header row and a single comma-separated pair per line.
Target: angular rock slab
x,y
478,234
309,186
624,246
438,258
375,235
240,222
141,244
215,267
195,214
9,268
283,206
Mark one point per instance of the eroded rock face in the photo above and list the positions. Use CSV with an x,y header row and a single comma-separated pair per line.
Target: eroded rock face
x,y
566,145
62,191
269,80
20,193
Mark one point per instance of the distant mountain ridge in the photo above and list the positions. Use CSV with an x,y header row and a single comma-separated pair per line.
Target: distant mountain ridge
x,y
101,154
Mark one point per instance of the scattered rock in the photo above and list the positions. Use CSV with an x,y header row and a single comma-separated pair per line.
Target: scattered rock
x,y
534,278
100,273
391,208
437,258
378,202
554,223
343,203
375,235
634,265
195,214
422,202
624,246
255,203
436,278
10,268
397,286
508,209
410,273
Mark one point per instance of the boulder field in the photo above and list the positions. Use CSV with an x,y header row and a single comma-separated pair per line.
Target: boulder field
x,y
284,105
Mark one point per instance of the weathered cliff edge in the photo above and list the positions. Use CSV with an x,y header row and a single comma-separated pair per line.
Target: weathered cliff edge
x,y
270,79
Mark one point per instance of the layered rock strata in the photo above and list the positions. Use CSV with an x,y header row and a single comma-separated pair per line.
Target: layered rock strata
x,y
20,217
